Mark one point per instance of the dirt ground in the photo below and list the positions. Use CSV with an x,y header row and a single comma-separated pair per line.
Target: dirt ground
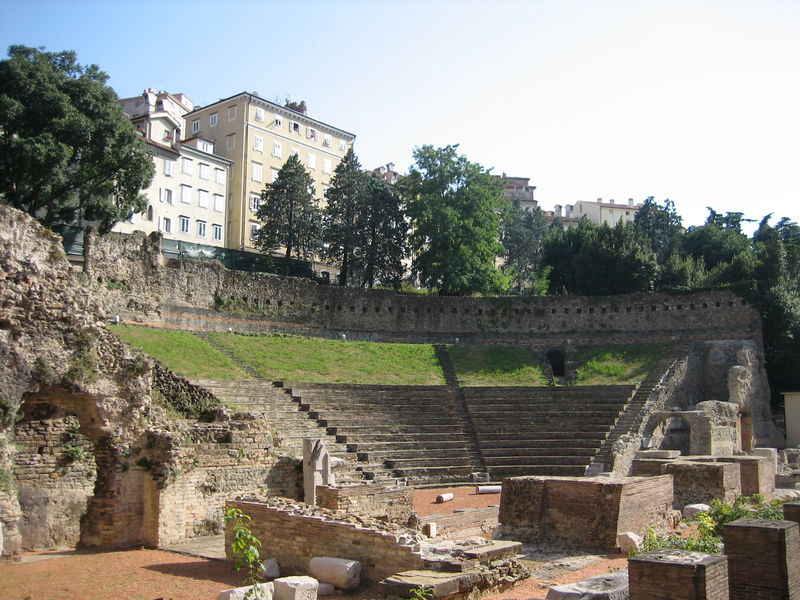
x,y
156,574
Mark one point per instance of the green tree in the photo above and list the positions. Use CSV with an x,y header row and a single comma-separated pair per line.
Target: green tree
x,y
523,235
383,244
345,199
718,240
289,214
67,150
453,205
661,225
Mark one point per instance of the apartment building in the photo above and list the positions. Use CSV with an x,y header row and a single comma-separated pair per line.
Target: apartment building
x,y
258,136
187,199
518,188
600,211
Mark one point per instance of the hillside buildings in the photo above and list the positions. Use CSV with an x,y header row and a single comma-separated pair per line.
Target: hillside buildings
x,y
258,136
518,189
599,212
189,192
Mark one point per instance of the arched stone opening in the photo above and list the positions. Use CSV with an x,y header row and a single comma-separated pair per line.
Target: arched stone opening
x,y
673,433
557,362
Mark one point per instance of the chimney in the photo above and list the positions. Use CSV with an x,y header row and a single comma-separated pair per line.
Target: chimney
x,y
599,200
630,201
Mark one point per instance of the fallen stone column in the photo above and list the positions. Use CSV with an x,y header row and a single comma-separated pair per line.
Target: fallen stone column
x,y
344,574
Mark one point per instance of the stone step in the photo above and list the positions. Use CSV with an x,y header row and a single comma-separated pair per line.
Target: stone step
x,y
385,446
524,429
547,451
366,437
560,459
605,407
369,420
554,470
435,474
428,461
397,428
489,445
511,435
399,408
383,455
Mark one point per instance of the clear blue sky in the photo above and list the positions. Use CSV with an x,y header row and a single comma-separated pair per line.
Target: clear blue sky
x,y
697,101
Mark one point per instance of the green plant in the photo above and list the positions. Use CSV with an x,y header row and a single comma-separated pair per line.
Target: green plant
x,y
245,550
420,592
83,365
113,284
744,507
74,443
6,481
702,543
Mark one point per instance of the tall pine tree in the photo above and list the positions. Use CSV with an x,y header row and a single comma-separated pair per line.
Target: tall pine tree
x,y
289,213
383,228
345,199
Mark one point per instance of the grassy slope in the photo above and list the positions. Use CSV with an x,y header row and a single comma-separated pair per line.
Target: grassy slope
x,y
614,365
495,365
181,351
323,360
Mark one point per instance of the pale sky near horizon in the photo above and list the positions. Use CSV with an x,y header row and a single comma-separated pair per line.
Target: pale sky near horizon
x,y
696,101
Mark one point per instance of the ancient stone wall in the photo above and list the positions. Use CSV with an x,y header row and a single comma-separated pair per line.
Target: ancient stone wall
x,y
267,302
386,502
695,480
296,535
465,523
583,512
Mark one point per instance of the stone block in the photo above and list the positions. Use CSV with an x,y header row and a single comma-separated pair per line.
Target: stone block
x,y
299,587
613,586
692,510
344,574
791,511
763,559
769,453
660,454
270,569
240,593
672,574
326,589
628,542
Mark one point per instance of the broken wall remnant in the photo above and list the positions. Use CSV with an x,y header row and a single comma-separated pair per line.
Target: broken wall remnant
x,y
584,512
694,481
667,574
713,429
387,502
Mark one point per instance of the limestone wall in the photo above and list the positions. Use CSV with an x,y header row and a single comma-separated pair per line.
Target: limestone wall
x,y
295,537
386,502
187,291
583,512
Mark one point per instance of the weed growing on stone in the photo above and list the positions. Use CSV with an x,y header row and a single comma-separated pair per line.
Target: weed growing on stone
x,y
83,368
420,593
245,550
6,481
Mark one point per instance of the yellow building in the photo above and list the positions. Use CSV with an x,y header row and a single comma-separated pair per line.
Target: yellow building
x,y
187,197
258,136
599,212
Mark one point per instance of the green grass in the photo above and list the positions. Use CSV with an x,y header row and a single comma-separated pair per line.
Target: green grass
x,y
333,361
181,351
495,365
616,365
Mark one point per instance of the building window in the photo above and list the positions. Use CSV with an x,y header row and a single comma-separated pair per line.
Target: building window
x,y
202,198
206,146
277,149
253,231
230,141
312,161
294,127
324,192
217,231
166,196
201,228
219,175
278,120
150,213
186,166
343,145
258,143
326,165
168,165
258,172
312,188
255,202
195,125
183,222
166,225
327,140
219,203
212,120
259,113
231,113
274,175
205,171
186,194
311,133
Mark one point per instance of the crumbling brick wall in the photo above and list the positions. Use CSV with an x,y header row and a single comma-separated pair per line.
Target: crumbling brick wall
x,y
295,535
388,502
583,512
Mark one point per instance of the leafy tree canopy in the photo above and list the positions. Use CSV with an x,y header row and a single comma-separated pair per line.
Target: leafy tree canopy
x,y
67,150
523,236
454,209
289,213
